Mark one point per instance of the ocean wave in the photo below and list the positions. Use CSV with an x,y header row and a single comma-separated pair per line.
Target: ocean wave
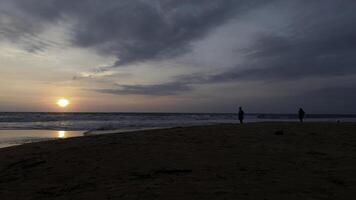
x,y
131,121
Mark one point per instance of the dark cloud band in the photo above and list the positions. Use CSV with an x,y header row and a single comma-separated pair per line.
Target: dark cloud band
x,y
134,31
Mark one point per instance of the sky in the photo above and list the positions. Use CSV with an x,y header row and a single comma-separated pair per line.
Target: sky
x,y
178,55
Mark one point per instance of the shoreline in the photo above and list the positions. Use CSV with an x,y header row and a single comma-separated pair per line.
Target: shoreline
x,y
83,133
226,161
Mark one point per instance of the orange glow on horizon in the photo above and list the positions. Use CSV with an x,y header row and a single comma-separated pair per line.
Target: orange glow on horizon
x,y
61,134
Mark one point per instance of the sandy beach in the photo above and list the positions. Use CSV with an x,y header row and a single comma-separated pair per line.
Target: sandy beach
x,y
229,161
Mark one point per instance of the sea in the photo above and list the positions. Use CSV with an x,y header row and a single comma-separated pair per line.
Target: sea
x,y
18,128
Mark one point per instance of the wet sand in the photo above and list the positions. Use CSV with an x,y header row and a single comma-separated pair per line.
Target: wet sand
x,y
252,161
17,137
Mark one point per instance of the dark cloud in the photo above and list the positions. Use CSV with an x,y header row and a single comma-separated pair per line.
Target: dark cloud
x,y
320,41
164,89
134,31
22,31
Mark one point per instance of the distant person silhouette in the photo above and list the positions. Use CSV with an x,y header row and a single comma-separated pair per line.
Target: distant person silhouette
x,y
301,114
241,115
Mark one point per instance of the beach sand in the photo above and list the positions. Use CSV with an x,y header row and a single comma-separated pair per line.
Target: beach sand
x,y
250,161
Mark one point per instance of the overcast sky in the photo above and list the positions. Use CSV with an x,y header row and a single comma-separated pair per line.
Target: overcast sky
x,y
178,55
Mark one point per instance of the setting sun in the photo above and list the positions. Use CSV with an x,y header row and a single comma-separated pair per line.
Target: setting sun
x,y
63,103
61,134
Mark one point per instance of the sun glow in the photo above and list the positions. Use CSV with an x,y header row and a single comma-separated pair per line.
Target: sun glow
x,y
61,134
63,103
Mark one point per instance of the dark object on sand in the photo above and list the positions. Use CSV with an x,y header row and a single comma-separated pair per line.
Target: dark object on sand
x,y
241,115
301,114
279,132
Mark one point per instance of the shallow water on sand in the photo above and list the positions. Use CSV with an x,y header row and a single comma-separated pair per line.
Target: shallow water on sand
x,y
17,137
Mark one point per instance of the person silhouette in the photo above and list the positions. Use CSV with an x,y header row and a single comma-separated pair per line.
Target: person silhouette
x,y
301,114
241,115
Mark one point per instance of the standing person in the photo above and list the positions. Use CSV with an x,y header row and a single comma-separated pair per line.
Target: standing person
x,y
241,115
301,114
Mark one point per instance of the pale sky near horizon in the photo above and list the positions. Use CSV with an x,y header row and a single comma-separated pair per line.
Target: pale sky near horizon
x,y
178,55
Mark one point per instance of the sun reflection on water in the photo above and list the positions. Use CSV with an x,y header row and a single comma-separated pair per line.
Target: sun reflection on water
x,y
61,134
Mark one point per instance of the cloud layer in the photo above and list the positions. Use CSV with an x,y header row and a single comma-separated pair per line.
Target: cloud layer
x,y
319,41
280,42
134,31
